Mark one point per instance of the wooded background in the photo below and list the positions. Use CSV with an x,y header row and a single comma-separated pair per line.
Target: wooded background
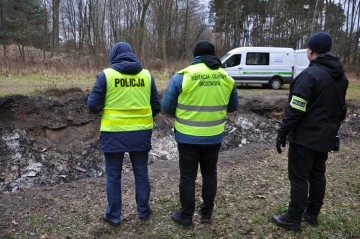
x,y
165,31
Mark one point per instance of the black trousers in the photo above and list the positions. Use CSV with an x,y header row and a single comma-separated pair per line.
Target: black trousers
x,y
190,156
306,170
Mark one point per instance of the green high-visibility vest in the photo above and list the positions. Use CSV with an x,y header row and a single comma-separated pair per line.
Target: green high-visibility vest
x,y
202,104
127,102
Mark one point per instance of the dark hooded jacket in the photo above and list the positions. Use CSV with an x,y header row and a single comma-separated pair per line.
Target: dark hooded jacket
x,y
323,84
122,60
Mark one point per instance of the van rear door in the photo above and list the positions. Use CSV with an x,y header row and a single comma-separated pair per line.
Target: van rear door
x,y
301,61
281,65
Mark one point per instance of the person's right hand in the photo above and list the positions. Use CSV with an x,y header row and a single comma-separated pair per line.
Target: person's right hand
x,y
280,141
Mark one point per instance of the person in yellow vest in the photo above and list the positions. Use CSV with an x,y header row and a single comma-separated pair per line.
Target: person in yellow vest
x,y
127,97
199,98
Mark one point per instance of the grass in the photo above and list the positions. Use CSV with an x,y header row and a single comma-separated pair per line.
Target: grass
x,y
353,91
36,82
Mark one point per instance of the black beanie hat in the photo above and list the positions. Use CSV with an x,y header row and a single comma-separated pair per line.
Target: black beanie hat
x,y
203,48
320,42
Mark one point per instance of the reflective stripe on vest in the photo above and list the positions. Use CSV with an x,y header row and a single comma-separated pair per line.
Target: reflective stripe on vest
x,y
202,104
127,102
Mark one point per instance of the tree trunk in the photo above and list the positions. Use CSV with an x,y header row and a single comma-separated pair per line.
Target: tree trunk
x,y
346,30
356,54
55,27
4,26
351,40
313,27
22,52
183,45
45,31
145,7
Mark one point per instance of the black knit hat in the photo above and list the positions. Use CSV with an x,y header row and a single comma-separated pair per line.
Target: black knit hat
x,y
203,48
320,42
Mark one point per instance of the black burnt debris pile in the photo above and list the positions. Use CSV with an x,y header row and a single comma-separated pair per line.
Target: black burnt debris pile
x,y
52,138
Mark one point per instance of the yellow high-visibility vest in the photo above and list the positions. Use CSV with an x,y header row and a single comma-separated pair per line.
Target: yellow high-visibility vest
x,y
202,104
127,102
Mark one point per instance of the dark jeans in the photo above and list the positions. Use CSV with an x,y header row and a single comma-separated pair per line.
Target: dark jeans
x,y
113,167
190,156
306,169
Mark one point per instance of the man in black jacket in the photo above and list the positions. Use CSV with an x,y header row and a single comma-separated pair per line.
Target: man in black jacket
x,y
311,121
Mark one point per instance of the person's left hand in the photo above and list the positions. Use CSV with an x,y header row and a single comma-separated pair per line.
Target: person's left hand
x,y
280,141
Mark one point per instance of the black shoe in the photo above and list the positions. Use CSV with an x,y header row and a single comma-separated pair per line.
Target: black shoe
x,y
176,217
115,224
146,217
204,218
312,220
282,221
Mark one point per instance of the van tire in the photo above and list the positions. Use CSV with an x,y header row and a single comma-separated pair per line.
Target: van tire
x,y
275,83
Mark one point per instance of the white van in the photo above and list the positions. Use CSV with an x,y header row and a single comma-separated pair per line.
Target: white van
x,y
301,61
268,66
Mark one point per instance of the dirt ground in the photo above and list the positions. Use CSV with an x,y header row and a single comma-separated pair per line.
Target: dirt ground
x,y
50,158
52,138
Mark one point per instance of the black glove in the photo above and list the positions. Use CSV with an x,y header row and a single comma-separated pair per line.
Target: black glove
x,y
280,141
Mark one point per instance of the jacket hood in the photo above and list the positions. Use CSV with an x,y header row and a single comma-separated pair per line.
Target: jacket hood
x,y
331,63
123,60
212,62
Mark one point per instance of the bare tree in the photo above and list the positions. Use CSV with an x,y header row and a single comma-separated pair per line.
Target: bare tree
x,y
168,29
143,6
352,15
4,25
356,52
55,26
